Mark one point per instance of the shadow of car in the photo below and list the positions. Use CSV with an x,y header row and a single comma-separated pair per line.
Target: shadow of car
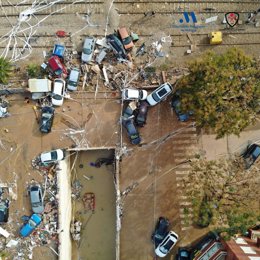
x,y
141,114
176,105
46,119
159,94
4,211
160,231
34,221
251,154
167,244
36,198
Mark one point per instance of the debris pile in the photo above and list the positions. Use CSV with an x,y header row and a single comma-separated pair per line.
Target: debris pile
x,y
75,230
3,108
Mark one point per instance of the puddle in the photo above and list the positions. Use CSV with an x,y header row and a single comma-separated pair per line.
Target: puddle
x,y
98,230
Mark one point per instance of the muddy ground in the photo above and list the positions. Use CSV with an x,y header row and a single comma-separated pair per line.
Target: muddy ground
x,y
152,171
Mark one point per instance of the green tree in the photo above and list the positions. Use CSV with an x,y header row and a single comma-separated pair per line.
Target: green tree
x,y
224,195
33,71
5,70
223,91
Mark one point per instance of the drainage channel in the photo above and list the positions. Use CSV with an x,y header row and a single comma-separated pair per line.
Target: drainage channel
x,y
89,213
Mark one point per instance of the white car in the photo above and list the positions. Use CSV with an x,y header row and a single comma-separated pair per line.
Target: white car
x,y
167,244
159,94
58,92
52,156
132,94
73,79
88,49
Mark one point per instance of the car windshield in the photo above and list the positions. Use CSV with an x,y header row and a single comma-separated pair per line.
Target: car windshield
x,y
36,204
134,136
256,152
127,40
53,155
32,223
47,115
159,236
57,97
87,51
72,83
58,72
167,246
162,92
155,97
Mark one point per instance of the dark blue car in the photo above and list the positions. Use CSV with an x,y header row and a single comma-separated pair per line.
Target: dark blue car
x,y
34,221
131,131
176,105
160,231
58,50
251,155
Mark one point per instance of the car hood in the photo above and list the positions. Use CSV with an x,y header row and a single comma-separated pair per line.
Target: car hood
x,y
86,57
38,209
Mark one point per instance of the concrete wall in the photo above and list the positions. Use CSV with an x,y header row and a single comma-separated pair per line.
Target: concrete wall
x,y
64,187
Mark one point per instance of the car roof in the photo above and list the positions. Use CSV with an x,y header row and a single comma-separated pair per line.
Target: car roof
x,y
58,87
88,42
35,195
55,63
123,32
74,74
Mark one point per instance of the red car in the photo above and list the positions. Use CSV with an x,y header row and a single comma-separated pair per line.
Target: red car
x,y
57,67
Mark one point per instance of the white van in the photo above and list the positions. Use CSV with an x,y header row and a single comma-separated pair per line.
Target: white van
x,y
39,87
73,79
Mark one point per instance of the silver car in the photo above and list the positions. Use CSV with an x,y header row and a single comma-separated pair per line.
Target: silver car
x,y
88,49
36,198
73,79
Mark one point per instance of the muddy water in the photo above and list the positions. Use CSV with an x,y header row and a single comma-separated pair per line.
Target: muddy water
x,y
98,227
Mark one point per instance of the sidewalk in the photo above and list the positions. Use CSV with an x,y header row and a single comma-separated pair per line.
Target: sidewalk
x,y
215,149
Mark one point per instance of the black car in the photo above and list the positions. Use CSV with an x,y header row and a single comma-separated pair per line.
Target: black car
x,y
116,45
131,131
46,119
141,115
251,154
183,254
160,231
203,243
4,211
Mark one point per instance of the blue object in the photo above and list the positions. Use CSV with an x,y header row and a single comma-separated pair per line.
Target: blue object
x,y
176,105
28,228
58,50
186,16
256,152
